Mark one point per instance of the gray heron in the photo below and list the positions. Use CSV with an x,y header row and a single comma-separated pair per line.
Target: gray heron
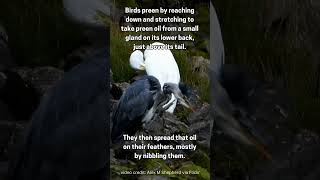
x,y
139,103
221,103
68,134
160,63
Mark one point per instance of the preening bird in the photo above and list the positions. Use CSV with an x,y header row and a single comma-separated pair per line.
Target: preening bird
x,y
68,135
159,63
139,103
220,100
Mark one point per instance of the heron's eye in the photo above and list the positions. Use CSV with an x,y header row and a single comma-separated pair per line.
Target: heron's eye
x,y
166,89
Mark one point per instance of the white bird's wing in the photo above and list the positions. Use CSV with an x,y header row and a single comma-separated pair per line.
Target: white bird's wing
x,y
162,65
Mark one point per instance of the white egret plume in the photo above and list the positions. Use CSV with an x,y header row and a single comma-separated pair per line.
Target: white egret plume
x,y
161,64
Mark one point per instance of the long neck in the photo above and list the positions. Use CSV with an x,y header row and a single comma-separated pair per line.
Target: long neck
x,y
161,100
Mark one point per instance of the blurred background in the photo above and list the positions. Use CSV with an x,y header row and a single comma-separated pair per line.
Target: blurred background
x,y
278,40
275,41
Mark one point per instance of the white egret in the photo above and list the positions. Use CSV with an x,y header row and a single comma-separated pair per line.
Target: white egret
x,y
159,63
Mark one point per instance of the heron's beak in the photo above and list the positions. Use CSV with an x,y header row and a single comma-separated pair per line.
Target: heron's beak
x,y
184,102
142,67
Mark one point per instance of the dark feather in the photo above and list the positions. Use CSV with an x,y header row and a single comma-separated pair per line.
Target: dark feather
x,y
68,135
133,105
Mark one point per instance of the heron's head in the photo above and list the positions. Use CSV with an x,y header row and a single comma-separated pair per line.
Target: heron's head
x,y
137,61
172,88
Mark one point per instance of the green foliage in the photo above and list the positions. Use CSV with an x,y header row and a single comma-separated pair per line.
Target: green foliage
x,y
154,164
190,77
120,52
272,56
201,158
117,168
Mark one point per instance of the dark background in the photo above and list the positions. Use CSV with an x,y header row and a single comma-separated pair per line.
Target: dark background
x,y
276,41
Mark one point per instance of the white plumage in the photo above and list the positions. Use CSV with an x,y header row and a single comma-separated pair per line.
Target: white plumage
x,y
137,60
159,63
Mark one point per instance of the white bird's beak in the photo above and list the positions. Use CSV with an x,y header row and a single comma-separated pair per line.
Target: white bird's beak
x,y
142,67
